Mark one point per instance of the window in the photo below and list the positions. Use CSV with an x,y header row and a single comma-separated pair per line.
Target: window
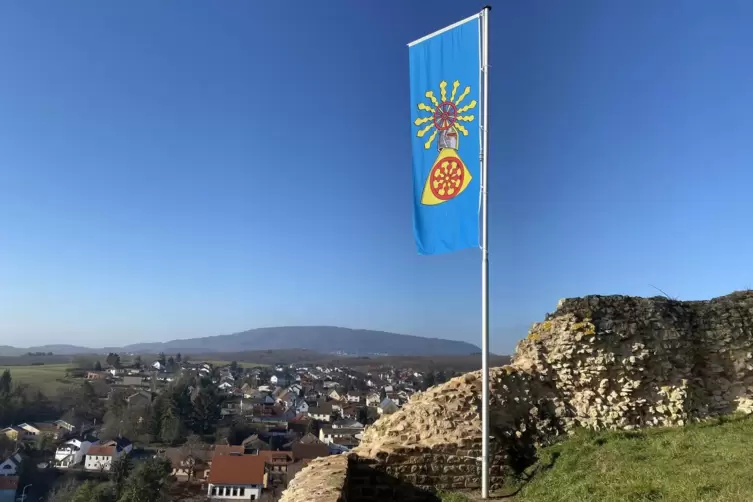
x,y
253,497
243,491
235,491
214,490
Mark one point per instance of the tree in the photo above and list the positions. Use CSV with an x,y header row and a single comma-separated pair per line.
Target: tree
x,y
172,427
441,378
44,443
382,394
178,358
113,360
234,367
149,482
6,380
161,359
429,379
119,472
155,420
97,366
63,492
362,415
137,362
171,366
205,412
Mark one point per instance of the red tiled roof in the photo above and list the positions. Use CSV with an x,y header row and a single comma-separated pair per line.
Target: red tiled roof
x,y
99,450
232,470
224,450
8,483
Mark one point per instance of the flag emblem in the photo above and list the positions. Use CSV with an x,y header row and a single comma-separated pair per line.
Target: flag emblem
x,y
445,138
449,176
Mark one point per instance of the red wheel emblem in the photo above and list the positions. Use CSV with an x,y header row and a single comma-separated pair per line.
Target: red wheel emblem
x,y
445,115
446,178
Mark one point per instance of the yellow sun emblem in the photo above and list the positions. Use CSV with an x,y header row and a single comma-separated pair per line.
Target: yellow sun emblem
x,y
448,176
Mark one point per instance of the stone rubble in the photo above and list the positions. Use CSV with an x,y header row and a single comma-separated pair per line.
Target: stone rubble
x,y
600,362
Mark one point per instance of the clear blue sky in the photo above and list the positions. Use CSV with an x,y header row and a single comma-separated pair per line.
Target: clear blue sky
x,y
175,169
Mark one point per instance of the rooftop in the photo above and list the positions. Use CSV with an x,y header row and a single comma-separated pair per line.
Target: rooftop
x,y
237,470
8,483
101,451
225,450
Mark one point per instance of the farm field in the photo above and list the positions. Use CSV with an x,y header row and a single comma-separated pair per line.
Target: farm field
x,y
240,364
49,378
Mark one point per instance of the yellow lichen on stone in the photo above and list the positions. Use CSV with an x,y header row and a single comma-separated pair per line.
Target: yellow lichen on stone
x,y
585,327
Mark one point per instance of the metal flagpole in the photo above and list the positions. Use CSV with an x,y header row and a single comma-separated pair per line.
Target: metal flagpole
x,y
485,258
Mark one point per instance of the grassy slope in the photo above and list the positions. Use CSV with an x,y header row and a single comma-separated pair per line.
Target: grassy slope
x,y
699,463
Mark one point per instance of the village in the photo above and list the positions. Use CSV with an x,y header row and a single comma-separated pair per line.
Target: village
x,y
229,430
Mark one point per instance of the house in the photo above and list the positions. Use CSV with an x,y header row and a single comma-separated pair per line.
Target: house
x,y
322,412
353,398
10,465
189,463
344,437
225,450
73,451
276,461
335,395
32,431
347,423
11,432
249,392
140,399
101,457
308,448
387,406
134,381
252,445
66,426
287,399
330,384
236,477
225,385
158,366
278,380
301,406
373,399
96,375
115,371
8,488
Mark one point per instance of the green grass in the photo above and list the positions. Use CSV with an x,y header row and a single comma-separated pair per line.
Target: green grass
x,y
709,462
49,378
240,364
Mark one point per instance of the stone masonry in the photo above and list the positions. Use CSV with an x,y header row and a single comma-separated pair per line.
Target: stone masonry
x,y
601,362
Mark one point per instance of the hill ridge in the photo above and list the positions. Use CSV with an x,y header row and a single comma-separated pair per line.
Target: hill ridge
x,y
323,339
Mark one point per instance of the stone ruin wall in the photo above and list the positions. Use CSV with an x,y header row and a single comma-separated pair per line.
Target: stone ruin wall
x,y
601,362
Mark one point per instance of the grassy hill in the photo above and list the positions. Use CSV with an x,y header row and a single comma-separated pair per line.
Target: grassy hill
x,y
709,462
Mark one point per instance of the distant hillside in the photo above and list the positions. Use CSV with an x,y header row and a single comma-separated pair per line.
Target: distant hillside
x,y
321,339
325,339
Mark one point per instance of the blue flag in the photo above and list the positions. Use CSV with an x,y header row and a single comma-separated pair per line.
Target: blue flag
x,y
444,94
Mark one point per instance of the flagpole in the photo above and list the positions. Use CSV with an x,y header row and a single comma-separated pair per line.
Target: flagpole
x,y
485,258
